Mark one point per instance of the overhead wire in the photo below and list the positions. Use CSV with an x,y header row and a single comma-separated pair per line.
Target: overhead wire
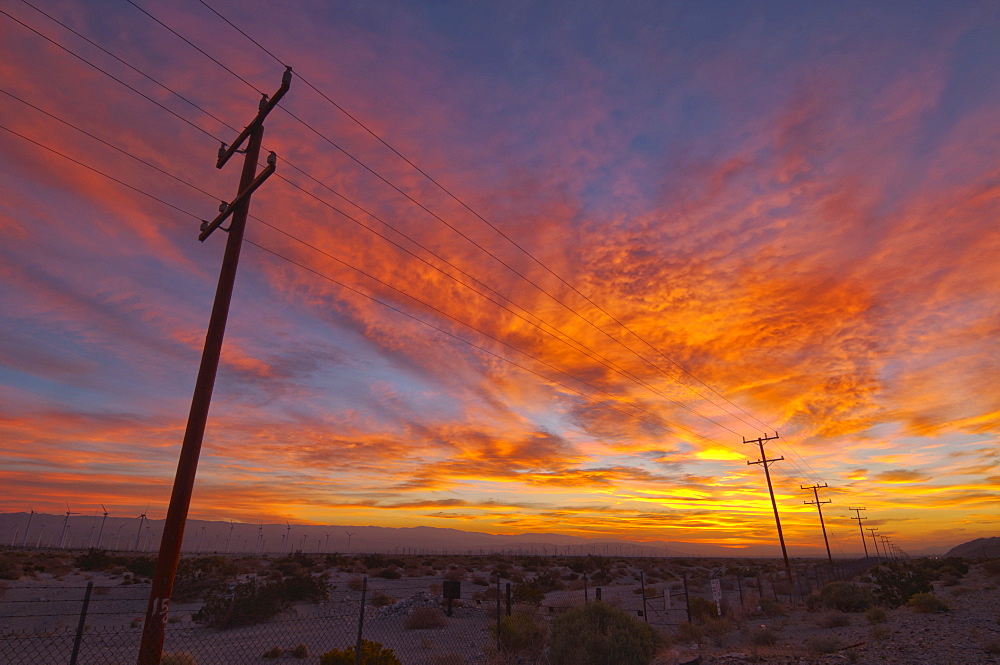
x,y
520,274
148,99
479,216
660,422
551,330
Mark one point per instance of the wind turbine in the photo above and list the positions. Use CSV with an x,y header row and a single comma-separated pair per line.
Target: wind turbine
x,y
24,541
138,534
65,526
100,534
288,536
41,529
260,538
349,534
118,535
229,539
327,548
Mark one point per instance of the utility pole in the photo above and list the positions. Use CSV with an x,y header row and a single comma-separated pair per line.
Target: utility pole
x,y
858,517
180,499
873,529
886,545
819,506
774,504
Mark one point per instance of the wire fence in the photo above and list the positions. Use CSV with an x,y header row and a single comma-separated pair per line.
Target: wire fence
x,y
418,622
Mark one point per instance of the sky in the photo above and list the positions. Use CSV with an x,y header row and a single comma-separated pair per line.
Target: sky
x,y
523,267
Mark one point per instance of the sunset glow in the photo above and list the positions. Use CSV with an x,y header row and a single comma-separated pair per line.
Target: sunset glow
x,y
674,226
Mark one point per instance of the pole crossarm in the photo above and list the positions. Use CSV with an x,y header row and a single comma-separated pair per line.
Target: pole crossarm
x,y
819,507
208,227
266,105
765,462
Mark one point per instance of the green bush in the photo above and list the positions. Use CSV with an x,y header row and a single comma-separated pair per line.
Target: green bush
x,y
833,620
520,633
897,582
425,617
197,576
372,653
846,597
688,632
927,603
596,634
94,559
528,593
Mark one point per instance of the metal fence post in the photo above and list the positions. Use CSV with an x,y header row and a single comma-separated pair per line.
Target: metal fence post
x,y
687,598
498,612
508,598
361,620
642,582
83,623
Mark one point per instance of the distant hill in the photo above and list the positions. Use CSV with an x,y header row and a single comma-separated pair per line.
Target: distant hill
x,y
980,547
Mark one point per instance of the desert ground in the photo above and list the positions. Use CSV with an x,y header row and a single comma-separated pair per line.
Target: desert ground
x,y
764,619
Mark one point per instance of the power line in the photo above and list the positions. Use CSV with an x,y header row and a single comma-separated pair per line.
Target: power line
x,y
492,226
110,75
562,336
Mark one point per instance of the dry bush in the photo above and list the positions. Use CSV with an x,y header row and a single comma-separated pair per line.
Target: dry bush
x,y
822,644
445,659
688,632
876,615
355,584
274,652
761,636
881,632
177,658
426,617
300,651
927,603
380,599
833,620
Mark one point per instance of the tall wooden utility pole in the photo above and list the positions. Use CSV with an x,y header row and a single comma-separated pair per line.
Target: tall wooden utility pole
x,y
770,488
819,506
857,512
180,499
873,529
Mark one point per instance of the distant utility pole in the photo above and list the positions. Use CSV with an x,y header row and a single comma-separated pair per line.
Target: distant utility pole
x,y
819,506
180,499
858,517
873,529
774,504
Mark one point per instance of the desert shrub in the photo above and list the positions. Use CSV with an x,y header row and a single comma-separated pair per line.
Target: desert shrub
x,y
355,584
425,617
389,573
846,597
927,603
881,632
992,646
94,559
380,599
528,593
822,644
702,608
450,658
718,628
762,636
833,620
177,658
300,651
457,574
243,605
595,634
373,560
897,582
372,653
771,607
10,570
991,567
875,615
305,587
141,566
688,632
520,633
197,576
274,652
